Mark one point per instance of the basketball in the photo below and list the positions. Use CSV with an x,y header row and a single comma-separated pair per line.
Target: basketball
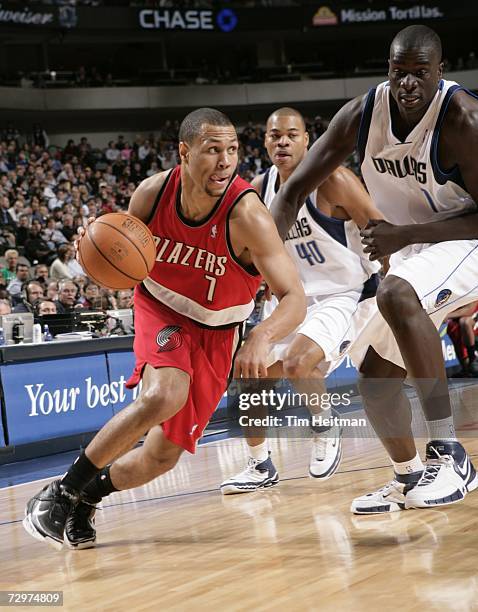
x,y
117,251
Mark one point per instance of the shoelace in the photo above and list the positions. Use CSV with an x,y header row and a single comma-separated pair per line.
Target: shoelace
x,y
85,508
83,511
389,485
252,464
61,507
320,448
433,467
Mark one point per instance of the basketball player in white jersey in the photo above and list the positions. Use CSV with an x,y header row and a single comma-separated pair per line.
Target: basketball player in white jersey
x,y
418,139
326,248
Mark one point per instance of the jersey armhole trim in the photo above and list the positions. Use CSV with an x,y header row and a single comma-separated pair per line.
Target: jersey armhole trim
x,y
453,174
250,269
334,227
365,121
265,182
159,196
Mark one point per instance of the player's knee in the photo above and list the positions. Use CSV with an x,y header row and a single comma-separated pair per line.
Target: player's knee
x,y
159,403
396,297
296,366
378,391
161,462
366,387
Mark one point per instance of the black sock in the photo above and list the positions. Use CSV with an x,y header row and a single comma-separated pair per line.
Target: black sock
x,y
322,417
317,429
409,479
471,353
80,473
100,486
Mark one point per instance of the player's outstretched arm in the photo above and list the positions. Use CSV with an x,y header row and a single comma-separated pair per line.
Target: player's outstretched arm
x,y
254,235
326,154
345,189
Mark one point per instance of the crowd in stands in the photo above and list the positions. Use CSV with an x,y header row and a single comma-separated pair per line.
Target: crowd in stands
x,y
210,73
47,193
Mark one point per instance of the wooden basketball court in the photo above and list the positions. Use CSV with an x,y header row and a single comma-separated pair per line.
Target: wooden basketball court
x,y
177,544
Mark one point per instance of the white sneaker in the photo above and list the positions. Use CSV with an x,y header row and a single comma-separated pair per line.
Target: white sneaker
x,y
448,476
257,475
389,498
325,456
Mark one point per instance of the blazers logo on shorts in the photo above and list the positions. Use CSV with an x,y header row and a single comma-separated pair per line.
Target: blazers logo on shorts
x,y
442,297
169,338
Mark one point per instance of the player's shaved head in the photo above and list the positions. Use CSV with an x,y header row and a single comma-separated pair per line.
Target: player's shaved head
x,y
192,124
286,111
417,37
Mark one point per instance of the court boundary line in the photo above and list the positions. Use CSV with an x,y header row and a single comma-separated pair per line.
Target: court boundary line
x,y
188,493
22,484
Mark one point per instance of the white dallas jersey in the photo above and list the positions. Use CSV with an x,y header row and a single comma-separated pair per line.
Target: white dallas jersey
x,y
327,252
404,179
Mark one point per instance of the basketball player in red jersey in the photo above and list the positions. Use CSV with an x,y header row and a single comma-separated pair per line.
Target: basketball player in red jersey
x,y
215,239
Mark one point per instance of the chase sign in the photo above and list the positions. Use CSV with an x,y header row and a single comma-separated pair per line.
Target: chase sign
x,y
199,20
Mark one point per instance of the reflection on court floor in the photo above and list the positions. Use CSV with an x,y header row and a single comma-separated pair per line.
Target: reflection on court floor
x,y
177,543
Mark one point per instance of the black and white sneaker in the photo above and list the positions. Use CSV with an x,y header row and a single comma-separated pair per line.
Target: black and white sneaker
x,y
448,476
80,529
47,512
389,498
257,475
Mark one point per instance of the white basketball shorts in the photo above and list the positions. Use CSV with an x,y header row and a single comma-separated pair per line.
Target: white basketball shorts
x,y
444,277
327,323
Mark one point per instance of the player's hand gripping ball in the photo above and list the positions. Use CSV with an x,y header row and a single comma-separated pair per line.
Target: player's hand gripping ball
x,y
117,251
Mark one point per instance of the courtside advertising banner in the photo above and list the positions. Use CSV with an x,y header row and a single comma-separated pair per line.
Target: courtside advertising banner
x,y
55,398
120,368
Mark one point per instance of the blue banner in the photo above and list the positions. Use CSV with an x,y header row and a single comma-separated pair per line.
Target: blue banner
x,y
56,397
448,349
2,433
120,366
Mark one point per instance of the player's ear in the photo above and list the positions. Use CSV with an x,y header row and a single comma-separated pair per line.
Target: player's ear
x,y
440,69
306,138
183,151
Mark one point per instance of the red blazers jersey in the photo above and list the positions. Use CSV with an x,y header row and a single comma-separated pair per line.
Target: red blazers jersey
x,y
196,272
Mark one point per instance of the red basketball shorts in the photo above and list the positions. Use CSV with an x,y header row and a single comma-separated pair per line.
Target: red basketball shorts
x,y
164,338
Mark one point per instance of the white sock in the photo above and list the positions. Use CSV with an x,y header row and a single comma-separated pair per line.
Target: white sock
x,y
408,467
324,431
260,452
442,429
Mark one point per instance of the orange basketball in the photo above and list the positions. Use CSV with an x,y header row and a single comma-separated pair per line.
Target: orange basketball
x,y
117,251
